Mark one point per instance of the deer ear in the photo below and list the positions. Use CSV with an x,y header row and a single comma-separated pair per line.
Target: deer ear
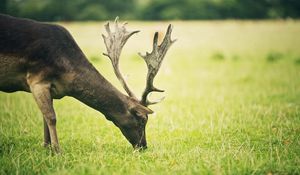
x,y
141,110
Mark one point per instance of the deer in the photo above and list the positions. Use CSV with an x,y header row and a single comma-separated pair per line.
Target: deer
x,y
44,59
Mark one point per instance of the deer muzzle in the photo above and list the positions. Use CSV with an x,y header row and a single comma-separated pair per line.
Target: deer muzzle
x,y
142,145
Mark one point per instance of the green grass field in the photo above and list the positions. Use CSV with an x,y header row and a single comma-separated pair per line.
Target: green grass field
x,y
232,106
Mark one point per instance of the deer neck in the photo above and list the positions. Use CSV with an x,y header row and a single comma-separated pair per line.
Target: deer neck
x,y
91,88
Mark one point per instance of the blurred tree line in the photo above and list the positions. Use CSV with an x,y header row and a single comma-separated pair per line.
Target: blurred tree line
x,y
69,10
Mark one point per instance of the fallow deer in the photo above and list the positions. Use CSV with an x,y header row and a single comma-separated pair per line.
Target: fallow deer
x,y
45,60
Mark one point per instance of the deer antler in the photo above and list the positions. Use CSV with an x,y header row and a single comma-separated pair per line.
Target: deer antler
x,y
114,43
153,61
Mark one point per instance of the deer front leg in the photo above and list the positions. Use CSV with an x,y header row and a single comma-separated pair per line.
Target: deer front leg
x,y
41,93
47,141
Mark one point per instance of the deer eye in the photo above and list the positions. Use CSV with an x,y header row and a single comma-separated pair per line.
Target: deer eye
x,y
139,119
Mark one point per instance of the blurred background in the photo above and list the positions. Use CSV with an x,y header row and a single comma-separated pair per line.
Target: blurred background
x,y
80,10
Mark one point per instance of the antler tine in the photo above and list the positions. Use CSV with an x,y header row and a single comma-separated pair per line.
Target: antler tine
x,y
153,61
114,42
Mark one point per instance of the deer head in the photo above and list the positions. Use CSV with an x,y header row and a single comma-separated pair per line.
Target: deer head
x,y
133,124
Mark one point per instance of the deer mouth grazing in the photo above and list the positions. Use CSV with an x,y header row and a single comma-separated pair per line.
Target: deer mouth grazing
x,y
142,145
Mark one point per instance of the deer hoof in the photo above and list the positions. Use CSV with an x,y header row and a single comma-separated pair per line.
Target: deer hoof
x,y
45,144
55,149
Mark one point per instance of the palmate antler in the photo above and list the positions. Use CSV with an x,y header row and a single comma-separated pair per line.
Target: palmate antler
x,y
114,43
153,61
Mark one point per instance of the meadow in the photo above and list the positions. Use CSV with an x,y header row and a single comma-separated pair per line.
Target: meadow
x,y
232,106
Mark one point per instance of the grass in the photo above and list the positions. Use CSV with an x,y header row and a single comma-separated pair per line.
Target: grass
x,y
232,106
